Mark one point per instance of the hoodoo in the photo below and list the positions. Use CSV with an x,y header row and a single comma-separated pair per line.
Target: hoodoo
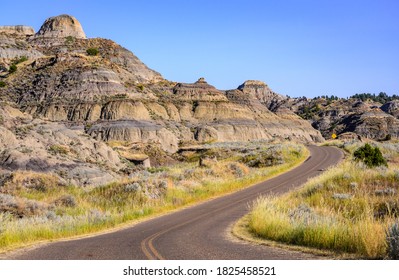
x,y
60,27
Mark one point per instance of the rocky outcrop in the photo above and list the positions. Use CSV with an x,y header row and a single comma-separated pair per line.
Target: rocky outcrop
x,y
14,45
374,124
52,75
83,84
60,27
260,91
35,145
20,30
199,91
391,108
125,110
135,131
364,118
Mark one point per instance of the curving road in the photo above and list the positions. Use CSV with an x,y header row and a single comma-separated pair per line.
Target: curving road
x,y
198,232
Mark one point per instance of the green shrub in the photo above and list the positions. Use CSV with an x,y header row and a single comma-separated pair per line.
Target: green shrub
x,y
20,60
92,51
370,156
2,84
13,68
69,40
388,137
140,87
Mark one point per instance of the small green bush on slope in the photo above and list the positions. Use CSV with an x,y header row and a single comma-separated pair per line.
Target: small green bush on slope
x,y
92,51
370,156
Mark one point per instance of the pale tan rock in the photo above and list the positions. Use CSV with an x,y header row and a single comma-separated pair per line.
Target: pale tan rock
x,y
60,27
157,110
186,112
135,131
206,134
20,30
211,111
262,92
242,131
125,110
84,112
7,139
173,112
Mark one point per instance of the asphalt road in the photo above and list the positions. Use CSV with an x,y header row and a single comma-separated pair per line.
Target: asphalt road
x,y
198,232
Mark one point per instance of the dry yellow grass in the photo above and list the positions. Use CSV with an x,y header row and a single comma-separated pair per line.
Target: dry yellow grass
x,y
146,194
348,209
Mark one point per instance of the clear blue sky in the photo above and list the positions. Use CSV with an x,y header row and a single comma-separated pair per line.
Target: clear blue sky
x,y
298,47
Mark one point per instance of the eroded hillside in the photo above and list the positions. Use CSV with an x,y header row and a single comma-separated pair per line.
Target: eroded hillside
x,y
70,95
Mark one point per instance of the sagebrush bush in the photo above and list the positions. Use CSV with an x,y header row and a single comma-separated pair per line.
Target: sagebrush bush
x,y
66,200
20,207
28,181
134,187
263,158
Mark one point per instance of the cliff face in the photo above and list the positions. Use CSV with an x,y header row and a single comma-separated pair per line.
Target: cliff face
x,y
195,112
112,96
367,119
391,108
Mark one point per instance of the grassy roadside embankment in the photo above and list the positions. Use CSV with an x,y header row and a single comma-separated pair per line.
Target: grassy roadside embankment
x,y
35,208
348,209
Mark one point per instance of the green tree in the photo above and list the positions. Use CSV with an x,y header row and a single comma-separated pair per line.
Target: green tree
x,y
370,156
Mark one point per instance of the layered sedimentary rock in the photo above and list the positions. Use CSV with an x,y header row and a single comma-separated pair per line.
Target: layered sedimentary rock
x,y
14,45
391,108
17,30
261,91
72,101
364,118
135,131
199,91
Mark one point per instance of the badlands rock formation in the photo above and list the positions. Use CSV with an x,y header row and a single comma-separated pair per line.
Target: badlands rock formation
x,y
365,118
17,30
60,27
71,103
30,144
391,108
